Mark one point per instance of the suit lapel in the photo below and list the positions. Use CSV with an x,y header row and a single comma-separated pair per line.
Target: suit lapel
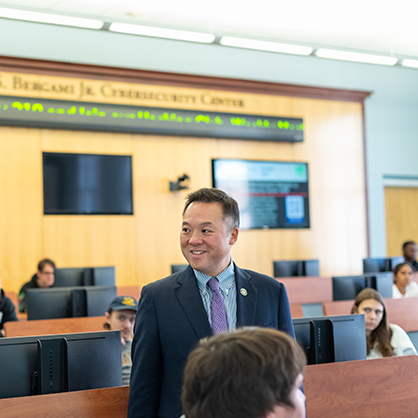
x,y
247,295
188,295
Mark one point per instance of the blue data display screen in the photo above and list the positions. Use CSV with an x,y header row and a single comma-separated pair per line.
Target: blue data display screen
x,y
270,194
59,114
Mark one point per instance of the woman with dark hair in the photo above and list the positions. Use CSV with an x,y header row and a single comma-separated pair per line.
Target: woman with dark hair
x,y
404,286
383,339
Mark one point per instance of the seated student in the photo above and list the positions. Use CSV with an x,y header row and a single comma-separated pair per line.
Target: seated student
x,y
121,316
404,286
7,311
383,339
44,277
248,373
409,250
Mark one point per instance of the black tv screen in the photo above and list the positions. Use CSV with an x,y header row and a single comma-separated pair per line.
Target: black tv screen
x,y
87,184
270,194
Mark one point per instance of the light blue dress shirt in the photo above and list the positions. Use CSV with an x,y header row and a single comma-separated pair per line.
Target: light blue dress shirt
x,y
228,290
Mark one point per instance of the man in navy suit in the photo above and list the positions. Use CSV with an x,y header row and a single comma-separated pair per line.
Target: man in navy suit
x,y
175,313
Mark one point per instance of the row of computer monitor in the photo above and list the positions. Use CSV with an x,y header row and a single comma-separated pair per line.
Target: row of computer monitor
x,y
59,363
84,276
293,268
67,302
283,268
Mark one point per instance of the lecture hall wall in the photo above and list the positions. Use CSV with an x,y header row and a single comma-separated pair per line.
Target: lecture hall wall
x,y
143,246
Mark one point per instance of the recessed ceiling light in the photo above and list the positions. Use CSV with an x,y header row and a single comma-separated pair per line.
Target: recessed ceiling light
x,y
50,18
355,56
409,63
181,35
265,45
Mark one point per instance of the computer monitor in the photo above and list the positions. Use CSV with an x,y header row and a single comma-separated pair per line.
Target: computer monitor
x,y
67,302
331,339
178,267
347,287
285,268
59,363
104,276
375,265
69,277
85,276
311,268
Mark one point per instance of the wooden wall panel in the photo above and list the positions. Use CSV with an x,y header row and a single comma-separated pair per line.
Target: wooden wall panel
x,y
143,246
401,217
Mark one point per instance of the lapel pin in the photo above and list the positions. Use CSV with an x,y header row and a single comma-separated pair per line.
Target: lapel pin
x,y
243,291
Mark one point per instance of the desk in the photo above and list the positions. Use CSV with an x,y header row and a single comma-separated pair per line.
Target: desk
x,y
381,388
54,326
97,403
307,289
402,312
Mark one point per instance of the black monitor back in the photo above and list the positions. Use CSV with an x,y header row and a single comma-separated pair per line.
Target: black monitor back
x,y
85,276
178,267
376,265
286,268
67,302
104,276
69,277
93,361
347,287
292,268
332,339
382,282
311,268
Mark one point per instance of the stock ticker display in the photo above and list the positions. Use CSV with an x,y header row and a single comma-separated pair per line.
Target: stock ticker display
x,y
60,114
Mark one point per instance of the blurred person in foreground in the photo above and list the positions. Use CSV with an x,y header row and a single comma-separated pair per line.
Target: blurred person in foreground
x,y
249,373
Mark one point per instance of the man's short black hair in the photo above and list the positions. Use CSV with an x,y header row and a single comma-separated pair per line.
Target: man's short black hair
x,y
243,374
229,205
406,243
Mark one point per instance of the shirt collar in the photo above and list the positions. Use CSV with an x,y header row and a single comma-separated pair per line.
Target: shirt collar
x,y
223,277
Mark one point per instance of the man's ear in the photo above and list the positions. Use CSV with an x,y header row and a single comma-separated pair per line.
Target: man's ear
x,y
234,236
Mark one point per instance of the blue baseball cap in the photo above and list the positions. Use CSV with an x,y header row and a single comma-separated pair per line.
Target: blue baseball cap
x,y
124,302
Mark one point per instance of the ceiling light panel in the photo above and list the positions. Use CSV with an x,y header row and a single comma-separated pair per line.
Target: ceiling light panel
x,y
265,45
355,56
409,63
53,19
180,35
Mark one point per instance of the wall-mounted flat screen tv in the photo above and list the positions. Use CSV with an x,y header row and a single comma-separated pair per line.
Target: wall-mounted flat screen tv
x,y
270,194
87,184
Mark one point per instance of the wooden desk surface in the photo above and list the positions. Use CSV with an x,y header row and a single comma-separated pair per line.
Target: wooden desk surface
x,y
54,326
403,312
97,403
381,388
307,289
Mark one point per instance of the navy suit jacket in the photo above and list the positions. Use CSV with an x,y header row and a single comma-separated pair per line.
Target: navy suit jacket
x,y
171,319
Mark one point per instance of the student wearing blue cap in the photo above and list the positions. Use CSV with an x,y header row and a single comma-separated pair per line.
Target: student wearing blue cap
x,y
121,316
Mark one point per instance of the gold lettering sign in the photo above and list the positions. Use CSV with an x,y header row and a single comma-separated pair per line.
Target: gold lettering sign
x,y
51,87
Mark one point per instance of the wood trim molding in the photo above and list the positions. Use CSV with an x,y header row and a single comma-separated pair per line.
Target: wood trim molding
x,y
63,69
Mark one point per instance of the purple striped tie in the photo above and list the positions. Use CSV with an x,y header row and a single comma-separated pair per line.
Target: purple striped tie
x,y
217,308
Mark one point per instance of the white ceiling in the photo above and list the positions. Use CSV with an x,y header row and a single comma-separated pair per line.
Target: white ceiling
x,y
375,26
